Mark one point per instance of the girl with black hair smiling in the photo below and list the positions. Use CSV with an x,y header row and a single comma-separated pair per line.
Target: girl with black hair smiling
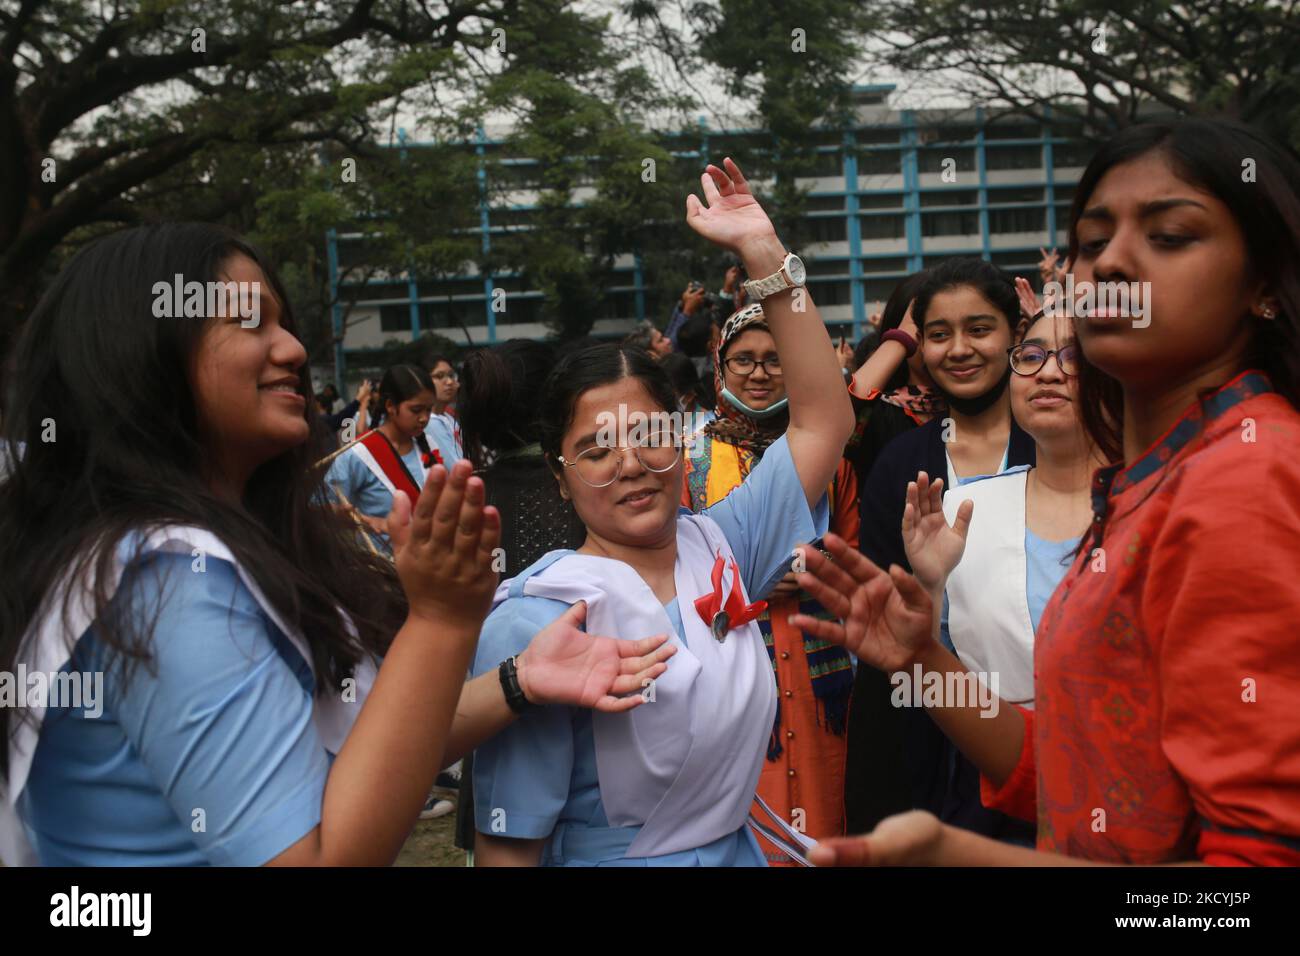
x,y
672,784
967,311
165,542
1167,662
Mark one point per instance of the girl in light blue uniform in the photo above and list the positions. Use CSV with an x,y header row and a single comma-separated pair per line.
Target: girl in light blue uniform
x,y
212,633
541,776
443,431
406,397
671,784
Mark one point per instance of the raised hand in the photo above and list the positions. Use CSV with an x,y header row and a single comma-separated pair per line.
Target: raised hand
x,y
733,218
845,353
1028,300
885,617
563,665
692,299
444,550
908,324
877,315
1047,268
933,548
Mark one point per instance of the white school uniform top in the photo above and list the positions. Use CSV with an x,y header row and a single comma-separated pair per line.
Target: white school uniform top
x,y
443,433
671,782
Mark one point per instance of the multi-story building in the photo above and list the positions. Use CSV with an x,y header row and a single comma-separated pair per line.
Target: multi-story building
x,y
901,190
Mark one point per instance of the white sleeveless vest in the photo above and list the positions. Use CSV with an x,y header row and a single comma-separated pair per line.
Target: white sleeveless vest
x,y
988,607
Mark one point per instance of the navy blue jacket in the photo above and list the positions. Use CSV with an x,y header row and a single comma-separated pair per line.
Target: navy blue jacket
x,y
909,742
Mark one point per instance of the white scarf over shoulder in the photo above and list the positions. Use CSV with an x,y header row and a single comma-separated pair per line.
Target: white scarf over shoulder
x,y
684,766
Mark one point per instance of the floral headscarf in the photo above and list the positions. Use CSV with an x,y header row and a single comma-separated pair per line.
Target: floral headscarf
x,y
732,425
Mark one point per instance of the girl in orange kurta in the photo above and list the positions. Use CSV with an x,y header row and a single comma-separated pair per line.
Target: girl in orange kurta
x,y
803,777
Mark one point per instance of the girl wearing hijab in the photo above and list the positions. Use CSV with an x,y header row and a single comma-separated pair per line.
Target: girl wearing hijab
x,y
803,773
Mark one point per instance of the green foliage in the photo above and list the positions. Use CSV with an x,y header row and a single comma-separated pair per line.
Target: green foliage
x,y
252,130
1238,57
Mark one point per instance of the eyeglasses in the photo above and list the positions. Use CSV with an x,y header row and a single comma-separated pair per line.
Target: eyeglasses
x,y
1029,359
602,465
745,365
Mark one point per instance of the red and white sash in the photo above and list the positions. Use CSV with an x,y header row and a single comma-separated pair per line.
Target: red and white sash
x,y
378,454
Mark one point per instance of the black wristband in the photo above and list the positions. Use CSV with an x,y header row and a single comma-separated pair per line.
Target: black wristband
x,y
515,698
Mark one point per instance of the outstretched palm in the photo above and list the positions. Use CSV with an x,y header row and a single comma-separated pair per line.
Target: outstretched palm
x,y
885,617
933,547
733,217
567,666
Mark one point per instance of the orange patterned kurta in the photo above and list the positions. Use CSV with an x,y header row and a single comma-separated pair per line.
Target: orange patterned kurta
x,y
804,784
1167,664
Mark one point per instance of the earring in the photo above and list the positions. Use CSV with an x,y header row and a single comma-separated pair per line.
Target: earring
x,y
1267,311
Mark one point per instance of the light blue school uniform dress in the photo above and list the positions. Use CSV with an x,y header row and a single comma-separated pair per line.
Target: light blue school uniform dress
x,y
538,778
443,434
209,755
363,487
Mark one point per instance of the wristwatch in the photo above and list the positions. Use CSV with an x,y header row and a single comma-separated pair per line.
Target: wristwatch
x,y
792,274
509,676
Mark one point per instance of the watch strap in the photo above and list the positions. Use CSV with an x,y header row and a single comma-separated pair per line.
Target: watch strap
x,y
508,673
759,289
778,281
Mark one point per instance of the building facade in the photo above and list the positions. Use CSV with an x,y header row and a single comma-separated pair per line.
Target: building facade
x,y
900,191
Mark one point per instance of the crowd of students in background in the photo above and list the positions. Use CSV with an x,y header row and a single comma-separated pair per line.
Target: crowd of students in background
x,y
1088,523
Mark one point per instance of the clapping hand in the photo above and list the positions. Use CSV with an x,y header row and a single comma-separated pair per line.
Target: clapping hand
x,y
443,548
563,665
885,616
933,547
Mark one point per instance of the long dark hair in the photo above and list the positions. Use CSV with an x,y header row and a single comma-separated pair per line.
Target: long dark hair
x,y
114,378
1208,154
681,371
892,318
400,383
590,368
498,408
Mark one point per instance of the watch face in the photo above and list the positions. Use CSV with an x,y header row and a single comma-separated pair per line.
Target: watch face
x,y
794,268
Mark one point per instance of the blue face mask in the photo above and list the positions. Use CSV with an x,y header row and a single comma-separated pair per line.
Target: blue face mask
x,y
776,408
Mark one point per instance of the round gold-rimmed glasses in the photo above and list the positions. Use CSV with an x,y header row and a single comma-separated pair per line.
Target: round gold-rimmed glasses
x,y
601,465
